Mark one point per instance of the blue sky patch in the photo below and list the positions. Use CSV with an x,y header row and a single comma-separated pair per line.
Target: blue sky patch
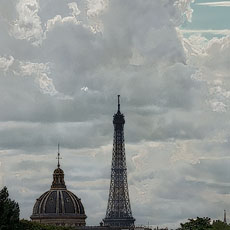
x,y
212,16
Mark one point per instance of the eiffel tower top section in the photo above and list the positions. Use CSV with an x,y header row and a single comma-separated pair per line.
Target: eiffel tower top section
x,y
118,118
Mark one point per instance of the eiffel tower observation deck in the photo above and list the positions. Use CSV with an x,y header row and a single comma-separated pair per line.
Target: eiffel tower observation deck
x,y
119,212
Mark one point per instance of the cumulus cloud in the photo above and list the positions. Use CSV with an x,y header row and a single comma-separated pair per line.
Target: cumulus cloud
x,y
95,7
185,8
58,19
41,72
212,32
210,57
28,25
219,3
5,63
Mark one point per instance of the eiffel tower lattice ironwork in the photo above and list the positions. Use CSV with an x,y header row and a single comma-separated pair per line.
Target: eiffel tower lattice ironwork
x,y
119,210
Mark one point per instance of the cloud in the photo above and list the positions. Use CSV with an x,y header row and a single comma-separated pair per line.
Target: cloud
x,y
5,63
85,88
214,4
96,7
28,25
75,11
185,7
68,19
214,32
211,61
41,72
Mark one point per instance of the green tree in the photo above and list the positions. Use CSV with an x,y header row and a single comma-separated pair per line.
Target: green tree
x,y
9,211
28,225
197,224
219,225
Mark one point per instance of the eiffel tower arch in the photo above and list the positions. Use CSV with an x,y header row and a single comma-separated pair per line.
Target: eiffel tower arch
x,y
119,212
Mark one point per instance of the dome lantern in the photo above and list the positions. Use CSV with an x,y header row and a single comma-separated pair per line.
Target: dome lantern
x,y
58,176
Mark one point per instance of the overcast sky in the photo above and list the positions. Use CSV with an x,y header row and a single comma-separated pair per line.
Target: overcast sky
x,y
62,63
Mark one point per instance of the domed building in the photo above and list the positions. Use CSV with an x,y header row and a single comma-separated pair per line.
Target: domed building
x,y
59,206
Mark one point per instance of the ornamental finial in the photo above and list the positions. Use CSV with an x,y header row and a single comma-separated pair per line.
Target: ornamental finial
x,y
118,97
58,157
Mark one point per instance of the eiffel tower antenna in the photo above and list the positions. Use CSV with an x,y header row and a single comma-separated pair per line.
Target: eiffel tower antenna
x,y
118,97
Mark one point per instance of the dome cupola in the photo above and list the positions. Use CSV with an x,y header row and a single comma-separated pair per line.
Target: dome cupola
x,y
58,176
59,206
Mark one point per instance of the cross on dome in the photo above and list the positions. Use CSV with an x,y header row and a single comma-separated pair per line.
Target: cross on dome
x,y
58,157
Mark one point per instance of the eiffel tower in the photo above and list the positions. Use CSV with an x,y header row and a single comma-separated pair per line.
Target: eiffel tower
x,y
119,212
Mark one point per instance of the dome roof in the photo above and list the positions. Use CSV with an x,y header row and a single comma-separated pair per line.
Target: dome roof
x,y
58,204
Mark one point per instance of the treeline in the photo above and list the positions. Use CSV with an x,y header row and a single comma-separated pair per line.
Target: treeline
x,y
204,224
9,219
29,225
9,216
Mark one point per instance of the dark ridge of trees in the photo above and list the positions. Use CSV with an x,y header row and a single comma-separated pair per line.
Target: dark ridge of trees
x,y
204,224
9,216
29,225
9,211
